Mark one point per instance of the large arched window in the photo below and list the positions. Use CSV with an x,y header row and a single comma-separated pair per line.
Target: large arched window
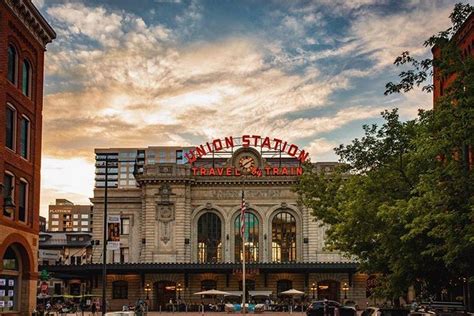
x,y
12,64
251,238
283,237
26,78
209,238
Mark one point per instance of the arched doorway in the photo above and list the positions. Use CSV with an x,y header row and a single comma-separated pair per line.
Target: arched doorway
x,y
328,289
164,292
14,275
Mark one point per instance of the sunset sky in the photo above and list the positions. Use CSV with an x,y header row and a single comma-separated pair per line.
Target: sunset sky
x,y
169,72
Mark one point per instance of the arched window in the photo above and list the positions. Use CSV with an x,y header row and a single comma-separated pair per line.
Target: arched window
x,y
283,237
26,78
120,289
284,285
208,285
251,238
12,64
10,278
209,238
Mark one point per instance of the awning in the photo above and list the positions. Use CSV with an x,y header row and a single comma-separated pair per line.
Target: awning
x,y
234,293
260,293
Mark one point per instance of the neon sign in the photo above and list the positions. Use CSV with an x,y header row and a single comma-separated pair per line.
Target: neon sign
x,y
246,141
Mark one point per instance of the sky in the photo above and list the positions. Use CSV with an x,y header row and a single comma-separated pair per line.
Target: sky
x,y
176,72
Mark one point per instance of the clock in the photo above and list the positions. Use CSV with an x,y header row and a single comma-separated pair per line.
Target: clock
x,y
247,163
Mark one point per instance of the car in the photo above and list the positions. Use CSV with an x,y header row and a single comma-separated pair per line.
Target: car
x,y
333,309
385,311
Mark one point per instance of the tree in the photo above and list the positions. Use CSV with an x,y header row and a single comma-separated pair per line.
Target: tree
x,y
402,201
44,275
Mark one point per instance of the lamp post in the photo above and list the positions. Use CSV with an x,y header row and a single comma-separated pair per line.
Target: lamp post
x,y
147,291
179,288
345,288
313,289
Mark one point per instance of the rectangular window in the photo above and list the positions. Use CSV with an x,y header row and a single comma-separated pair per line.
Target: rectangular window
x,y
10,128
179,155
55,223
8,183
75,223
23,201
54,215
125,226
84,229
84,215
123,255
84,223
24,137
75,216
123,182
54,229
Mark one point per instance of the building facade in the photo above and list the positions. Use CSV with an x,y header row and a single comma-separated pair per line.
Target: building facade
x,y
64,248
24,34
180,226
65,216
42,224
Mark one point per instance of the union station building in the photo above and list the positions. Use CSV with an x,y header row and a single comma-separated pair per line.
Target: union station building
x,y
179,210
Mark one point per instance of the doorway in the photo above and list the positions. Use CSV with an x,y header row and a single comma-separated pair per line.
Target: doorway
x,y
165,291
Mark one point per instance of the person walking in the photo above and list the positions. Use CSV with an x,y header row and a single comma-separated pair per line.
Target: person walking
x,y
93,309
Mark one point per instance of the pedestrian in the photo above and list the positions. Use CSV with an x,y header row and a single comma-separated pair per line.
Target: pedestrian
x,y
93,308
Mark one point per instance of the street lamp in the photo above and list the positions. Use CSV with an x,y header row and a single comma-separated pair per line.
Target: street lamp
x,y
179,288
147,291
345,288
8,205
313,289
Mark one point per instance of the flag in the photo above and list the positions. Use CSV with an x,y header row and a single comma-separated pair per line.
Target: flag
x,y
242,216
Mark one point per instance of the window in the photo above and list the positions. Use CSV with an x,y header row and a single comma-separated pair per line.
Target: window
x,y
12,64
26,78
24,137
125,225
55,223
10,127
251,238
75,223
84,223
75,216
209,238
284,237
123,255
10,279
23,201
83,229
8,192
85,216
54,215
123,182
120,290
179,156
54,229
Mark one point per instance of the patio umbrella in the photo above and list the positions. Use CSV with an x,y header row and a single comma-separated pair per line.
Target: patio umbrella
x,y
292,293
212,292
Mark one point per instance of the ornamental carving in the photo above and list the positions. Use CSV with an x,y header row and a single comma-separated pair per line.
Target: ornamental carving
x,y
164,212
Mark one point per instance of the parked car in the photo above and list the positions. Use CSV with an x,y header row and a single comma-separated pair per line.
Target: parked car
x,y
382,311
317,309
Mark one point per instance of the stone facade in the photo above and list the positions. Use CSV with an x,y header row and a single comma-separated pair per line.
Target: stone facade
x,y
164,210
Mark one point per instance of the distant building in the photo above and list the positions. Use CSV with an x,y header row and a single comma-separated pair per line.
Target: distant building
x,y
64,248
65,216
24,34
42,224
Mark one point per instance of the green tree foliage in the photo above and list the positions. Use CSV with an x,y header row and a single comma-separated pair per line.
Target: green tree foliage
x,y
44,275
402,201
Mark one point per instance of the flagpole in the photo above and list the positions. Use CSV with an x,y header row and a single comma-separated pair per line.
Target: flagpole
x,y
242,219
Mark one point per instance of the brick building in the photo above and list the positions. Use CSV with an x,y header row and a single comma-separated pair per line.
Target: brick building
x,y
42,224
24,34
68,217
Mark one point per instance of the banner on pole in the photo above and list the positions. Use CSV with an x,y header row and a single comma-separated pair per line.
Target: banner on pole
x,y
113,232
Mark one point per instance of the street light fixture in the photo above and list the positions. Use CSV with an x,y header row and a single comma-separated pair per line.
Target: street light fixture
x,y
313,289
8,205
147,291
179,288
345,288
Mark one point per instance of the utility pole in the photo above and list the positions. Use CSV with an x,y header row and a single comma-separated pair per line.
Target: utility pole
x,y
104,245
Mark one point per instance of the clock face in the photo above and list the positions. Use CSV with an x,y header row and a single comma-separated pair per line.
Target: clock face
x,y
247,163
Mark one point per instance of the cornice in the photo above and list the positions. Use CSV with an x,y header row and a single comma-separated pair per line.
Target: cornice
x,y
32,19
